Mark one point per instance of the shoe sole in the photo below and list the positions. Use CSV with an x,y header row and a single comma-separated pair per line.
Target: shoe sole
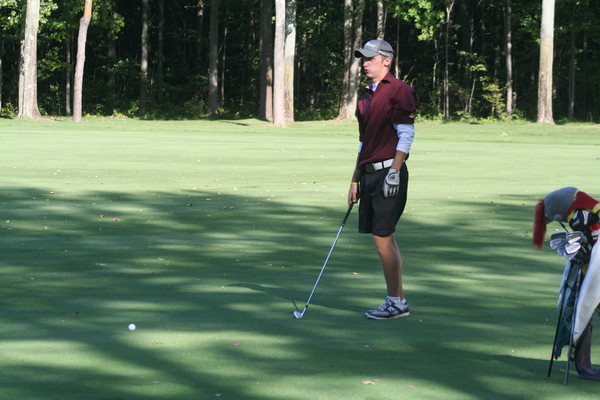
x,y
404,315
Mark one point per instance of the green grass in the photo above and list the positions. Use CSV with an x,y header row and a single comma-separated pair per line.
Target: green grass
x,y
208,234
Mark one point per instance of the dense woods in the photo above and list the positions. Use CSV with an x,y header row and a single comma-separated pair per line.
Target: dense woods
x,y
467,59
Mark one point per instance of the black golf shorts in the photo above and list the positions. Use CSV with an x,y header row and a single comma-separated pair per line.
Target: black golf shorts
x,y
376,214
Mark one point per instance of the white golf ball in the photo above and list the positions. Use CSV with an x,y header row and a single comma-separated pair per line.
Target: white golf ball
x,y
131,327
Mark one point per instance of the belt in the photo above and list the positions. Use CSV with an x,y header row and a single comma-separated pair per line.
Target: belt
x,y
376,166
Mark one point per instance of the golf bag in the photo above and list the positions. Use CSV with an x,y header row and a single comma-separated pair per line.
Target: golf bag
x,y
579,295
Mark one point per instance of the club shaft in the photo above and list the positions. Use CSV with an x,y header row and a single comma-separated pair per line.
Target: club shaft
x,y
563,298
573,318
560,312
327,258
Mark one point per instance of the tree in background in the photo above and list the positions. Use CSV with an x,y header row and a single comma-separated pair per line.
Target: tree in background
x,y
279,65
9,18
179,73
546,58
160,52
424,19
79,68
213,74
508,56
289,57
265,109
200,6
144,57
353,17
381,20
449,8
28,105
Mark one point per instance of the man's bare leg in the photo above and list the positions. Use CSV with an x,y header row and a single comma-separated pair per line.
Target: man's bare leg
x,y
391,262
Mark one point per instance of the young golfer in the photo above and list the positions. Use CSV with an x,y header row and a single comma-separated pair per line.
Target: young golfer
x,y
385,116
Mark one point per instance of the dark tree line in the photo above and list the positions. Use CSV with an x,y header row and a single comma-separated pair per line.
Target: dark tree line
x,y
454,52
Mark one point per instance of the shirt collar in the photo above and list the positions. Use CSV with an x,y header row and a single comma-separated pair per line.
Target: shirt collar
x,y
374,85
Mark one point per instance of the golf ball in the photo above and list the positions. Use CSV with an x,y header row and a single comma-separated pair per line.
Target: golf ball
x,y
131,327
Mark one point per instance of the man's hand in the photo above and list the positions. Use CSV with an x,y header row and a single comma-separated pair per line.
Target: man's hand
x,y
353,193
391,185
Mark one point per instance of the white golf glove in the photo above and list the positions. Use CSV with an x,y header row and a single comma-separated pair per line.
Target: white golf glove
x,y
391,184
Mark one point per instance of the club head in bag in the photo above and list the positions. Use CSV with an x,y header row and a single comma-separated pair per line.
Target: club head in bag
x,y
567,244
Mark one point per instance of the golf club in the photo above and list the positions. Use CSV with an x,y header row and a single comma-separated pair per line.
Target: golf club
x,y
563,301
573,319
299,314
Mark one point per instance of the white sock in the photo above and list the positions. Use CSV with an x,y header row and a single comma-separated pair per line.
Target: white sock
x,y
396,300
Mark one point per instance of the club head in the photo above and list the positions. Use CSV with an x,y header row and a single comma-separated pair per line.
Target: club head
x,y
298,314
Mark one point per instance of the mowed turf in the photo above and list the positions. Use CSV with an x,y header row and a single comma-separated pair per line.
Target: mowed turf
x,y
209,234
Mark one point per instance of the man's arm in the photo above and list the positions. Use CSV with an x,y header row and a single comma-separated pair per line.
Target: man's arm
x,y
399,159
354,191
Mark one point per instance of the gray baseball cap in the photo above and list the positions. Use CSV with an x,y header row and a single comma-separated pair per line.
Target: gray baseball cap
x,y
375,47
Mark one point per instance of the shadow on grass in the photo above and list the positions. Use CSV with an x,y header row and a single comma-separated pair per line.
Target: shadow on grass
x,y
211,281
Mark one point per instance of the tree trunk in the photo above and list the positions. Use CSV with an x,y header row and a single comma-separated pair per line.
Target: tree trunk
x,y
584,72
266,60
353,14
435,82
572,66
465,15
84,23
199,36
509,62
381,15
544,114
213,73
160,50
111,86
223,52
397,71
68,76
447,62
144,59
1,74
279,65
289,57
28,106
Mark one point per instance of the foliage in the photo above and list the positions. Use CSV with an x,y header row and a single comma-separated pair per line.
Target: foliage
x,y
418,27
424,14
10,14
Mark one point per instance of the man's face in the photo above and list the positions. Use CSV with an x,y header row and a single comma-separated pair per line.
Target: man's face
x,y
376,67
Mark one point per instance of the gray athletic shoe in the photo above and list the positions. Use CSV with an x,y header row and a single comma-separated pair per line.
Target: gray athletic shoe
x,y
389,310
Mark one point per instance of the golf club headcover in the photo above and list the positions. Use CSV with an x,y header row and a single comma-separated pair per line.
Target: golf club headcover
x,y
539,225
561,206
558,204
554,207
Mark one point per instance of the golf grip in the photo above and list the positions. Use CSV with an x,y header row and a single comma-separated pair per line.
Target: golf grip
x,y
328,255
347,214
